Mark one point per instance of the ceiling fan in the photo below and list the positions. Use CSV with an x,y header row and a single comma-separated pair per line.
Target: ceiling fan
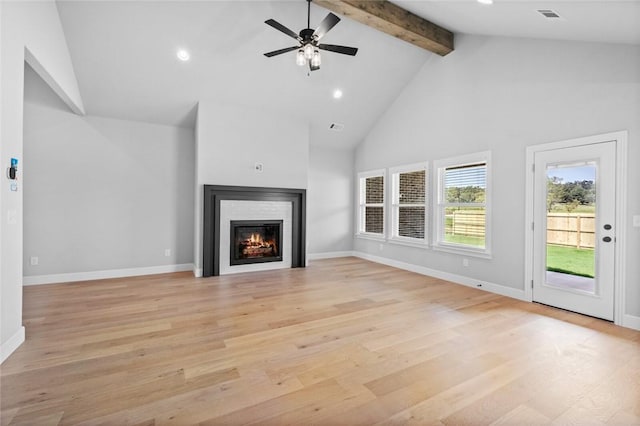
x,y
308,39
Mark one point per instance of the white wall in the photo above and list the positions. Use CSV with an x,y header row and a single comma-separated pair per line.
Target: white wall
x,y
330,200
503,95
34,26
231,139
102,194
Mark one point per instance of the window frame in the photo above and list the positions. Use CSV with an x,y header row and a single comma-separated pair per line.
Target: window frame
x,y
395,173
361,200
440,205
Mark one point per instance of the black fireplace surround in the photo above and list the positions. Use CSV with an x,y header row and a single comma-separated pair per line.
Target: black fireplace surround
x,y
213,194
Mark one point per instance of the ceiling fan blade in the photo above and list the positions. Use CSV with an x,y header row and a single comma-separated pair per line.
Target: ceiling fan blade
x,y
278,26
345,50
281,51
327,23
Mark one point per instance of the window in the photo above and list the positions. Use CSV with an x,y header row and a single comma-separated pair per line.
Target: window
x,y
409,203
463,213
371,204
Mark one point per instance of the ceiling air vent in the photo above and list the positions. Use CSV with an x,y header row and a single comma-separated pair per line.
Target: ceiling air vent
x,y
336,127
548,13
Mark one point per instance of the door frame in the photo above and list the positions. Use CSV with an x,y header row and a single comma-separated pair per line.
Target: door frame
x,y
620,139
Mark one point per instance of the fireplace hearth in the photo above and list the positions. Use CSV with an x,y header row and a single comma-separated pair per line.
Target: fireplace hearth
x,y
255,241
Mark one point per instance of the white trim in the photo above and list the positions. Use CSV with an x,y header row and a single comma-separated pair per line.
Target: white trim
x,y
371,173
8,347
409,242
447,276
620,137
361,204
462,250
438,205
329,255
197,272
631,321
620,282
394,204
100,275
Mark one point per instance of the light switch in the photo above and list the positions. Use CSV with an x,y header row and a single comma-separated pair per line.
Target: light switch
x,y
12,217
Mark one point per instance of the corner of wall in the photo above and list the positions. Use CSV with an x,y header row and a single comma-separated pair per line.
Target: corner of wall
x,y
32,29
11,344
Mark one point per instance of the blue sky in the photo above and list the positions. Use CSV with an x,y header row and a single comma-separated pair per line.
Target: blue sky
x,y
572,174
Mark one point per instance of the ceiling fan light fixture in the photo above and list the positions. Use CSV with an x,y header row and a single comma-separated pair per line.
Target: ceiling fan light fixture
x,y
308,51
308,48
485,1
315,59
300,59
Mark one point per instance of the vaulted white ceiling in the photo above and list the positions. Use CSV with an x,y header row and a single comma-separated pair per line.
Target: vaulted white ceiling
x,y
124,54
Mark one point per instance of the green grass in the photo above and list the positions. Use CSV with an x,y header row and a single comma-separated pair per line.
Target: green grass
x,y
569,260
560,208
465,239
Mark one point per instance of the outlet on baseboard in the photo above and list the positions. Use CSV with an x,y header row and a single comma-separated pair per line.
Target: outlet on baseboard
x,y
34,260
167,252
465,262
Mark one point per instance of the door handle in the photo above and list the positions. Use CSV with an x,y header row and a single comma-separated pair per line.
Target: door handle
x,y
607,239
607,226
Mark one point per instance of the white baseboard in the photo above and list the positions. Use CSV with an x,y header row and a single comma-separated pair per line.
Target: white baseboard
x,y
447,276
197,272
8,347
631,321
329,255
100,275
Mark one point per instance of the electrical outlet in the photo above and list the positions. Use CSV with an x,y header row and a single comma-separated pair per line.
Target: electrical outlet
x,y
381,246
34,260
636,220
258,167
465,262
167,252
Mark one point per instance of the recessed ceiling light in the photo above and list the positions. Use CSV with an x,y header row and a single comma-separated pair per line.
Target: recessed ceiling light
x,y
337,94
183,55
485,1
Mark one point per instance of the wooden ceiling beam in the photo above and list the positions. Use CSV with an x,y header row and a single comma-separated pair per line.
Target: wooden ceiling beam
x,y
394,20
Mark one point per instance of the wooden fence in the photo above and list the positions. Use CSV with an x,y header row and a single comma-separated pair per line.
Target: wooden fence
x,y
464,222
565,229
571,229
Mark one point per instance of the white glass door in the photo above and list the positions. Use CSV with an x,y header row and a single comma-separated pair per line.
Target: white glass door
x,y
574,229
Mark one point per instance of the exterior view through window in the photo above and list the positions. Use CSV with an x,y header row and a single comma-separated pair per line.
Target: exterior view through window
x,y
571,218
464,193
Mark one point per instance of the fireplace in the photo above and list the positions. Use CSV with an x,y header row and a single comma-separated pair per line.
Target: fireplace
x,y
223,204
255,241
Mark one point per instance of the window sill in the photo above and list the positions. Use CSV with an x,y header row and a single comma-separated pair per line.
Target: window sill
x,y
483,254
409,243
374,237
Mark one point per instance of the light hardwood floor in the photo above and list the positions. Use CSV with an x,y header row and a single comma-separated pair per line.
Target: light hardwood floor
x,y
343,341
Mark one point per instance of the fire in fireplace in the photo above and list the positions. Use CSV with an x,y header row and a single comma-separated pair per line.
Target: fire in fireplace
x,y
255,241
